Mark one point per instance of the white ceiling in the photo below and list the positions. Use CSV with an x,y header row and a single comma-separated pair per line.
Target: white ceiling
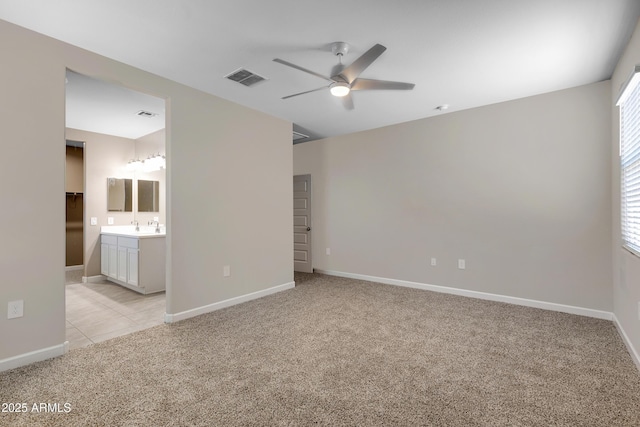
x,y
462,53
101,107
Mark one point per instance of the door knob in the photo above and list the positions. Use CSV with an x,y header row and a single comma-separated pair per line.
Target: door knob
x,y
308,228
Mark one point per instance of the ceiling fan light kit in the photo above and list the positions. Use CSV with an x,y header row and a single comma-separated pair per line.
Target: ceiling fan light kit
x,y
340,89
346,79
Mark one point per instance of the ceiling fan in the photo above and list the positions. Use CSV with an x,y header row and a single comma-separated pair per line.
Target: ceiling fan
x,y
343,79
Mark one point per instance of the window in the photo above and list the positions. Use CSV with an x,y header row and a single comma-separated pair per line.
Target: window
x,y
629,103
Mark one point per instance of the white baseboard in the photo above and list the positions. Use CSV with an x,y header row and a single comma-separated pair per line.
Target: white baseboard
x,y
176,317
73,267
625,338
93,279
479,295
34,356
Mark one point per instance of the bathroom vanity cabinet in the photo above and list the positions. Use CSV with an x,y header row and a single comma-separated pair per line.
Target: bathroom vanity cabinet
x,y
133,260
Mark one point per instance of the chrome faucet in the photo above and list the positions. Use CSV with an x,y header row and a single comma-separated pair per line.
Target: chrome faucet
x,y
157,224
137,225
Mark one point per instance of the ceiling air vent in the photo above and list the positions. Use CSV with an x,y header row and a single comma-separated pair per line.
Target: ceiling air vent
x,y
143,113
297,136
245,77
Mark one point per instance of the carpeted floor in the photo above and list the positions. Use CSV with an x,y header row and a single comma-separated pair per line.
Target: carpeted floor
x,y
337,351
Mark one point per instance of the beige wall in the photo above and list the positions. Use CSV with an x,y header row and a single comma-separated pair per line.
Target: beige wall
x,y
626,269
520,190
31,177
229,193
231,198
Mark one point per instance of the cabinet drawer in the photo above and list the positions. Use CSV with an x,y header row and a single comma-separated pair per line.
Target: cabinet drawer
x,y
109,240
128,242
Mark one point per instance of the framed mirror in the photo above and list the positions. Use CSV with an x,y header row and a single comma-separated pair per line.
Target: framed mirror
x,y
119,195
148,196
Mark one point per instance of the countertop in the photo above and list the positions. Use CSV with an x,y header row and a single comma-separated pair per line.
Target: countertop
x,y
145,231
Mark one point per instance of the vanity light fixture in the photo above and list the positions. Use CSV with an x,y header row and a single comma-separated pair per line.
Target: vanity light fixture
x,y
152,163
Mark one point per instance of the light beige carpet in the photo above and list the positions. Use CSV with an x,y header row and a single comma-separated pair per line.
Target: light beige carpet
x,y
336,351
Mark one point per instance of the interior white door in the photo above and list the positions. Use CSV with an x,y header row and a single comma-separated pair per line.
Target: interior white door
x,y
302,223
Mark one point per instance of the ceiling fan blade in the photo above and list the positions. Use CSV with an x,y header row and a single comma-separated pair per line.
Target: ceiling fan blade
x,y
359,65
368,84
347,101
313,73
302,93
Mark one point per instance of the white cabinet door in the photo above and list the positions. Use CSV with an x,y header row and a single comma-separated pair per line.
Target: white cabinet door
x,y
122,264
132,255
104,259
113,261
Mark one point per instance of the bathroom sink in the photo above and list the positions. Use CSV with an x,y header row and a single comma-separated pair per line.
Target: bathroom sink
x,y
130,230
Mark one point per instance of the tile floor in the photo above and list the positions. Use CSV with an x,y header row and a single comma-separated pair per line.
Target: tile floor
x,y
101,311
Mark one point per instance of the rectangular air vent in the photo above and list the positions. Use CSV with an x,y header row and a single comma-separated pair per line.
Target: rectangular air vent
x,y
245,77
143,113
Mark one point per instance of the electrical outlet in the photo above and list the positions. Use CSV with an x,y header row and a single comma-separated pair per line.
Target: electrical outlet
x,y
156,219
461,264
328,251
434,262
110,220
94,220
15,309
226,271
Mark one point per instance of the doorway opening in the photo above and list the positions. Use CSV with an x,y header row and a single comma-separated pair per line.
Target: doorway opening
x,y
123,140
74,211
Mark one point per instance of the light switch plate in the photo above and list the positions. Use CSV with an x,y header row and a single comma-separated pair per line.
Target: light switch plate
x,y
461,264
434,262
226,271
328,251
94,220
110,220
